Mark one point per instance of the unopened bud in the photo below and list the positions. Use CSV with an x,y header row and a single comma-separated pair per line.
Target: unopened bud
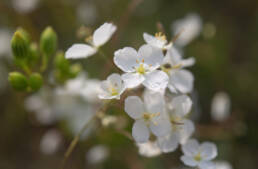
x,y
20,45
18,81
48,41
35,81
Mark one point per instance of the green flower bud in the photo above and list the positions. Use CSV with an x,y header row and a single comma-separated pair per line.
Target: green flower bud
x,y
18,81
20,45
75,70
48,41
61,63
35,81
34,54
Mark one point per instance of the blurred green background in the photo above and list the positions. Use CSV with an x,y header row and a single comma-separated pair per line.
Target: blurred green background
x,y
226,61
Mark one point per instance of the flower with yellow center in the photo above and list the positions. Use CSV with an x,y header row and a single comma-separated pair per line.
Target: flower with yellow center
x,y
199,155
112,88
141,67
158,41
148,117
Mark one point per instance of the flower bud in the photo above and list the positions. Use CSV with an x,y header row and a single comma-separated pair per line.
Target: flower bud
x,y
34,54
20,45
35,81
75,70
61,63
48,41
18,81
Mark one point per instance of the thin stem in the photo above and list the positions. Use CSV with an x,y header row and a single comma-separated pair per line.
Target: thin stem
x,y
44,63
77,137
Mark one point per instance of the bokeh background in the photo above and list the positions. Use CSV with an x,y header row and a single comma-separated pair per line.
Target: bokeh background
x,y
224,42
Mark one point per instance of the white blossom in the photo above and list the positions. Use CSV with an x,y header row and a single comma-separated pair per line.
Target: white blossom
x,y
199,155
50,142
148,116
99,38
220,106
141,67
112,88
149,149
223,165
191,26
97,154
182,128
159,40
25,6
5,38
180,79
82,86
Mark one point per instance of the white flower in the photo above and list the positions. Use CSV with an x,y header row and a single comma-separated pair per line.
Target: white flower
x,y
223,165
140,67
159,40
149,116
112,88
149,149
97,154
220,106
5,38
180,80
182,128
191,26
82,86
100,37
50,142
25,6
199,155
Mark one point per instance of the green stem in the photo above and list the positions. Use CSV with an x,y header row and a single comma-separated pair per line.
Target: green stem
x,y
44,63
77,137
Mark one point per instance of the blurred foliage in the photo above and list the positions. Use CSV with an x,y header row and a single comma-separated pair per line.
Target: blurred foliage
x,y
227,61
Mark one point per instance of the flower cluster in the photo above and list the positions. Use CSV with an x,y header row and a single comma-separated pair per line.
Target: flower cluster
x,y
158,67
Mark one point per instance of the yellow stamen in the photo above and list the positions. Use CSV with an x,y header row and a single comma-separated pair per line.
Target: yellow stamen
x,y
141,69
160,36
113,91
198,157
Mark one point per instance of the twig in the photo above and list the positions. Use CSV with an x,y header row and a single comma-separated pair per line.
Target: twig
x,y
77,137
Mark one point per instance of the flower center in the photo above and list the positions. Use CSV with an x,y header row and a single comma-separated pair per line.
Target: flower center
x,y
113,91
148,116
198,157
141,69
160,36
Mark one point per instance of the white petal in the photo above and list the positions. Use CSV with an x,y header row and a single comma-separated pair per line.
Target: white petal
x,y
182,80
207,165
140,131
188,62
151,56
149,149
103,34
168,143
126,59
132,80
152,40
189,161
186,132
154,101
182,105
172,88
79,51
115,80
208,151
134,107
191,147
174,56
160,126
156,81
